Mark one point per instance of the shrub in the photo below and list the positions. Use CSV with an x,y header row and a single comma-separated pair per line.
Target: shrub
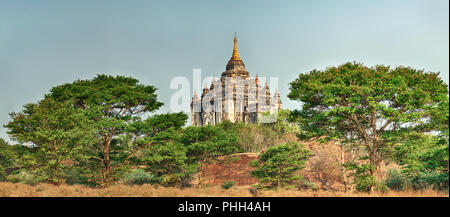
x,y
77,176
24,177
310,185
381,187
365,183
228,184
140,177
438,180
233,159
326,165
424,159
257,137
254,163
395,180
427,180
362,175
279,163
169,162
2,174
7,157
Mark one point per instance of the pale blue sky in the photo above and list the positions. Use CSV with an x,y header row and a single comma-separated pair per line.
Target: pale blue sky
x,y
47,43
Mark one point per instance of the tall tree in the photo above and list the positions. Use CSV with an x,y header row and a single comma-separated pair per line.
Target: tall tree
x,y
113,103
55,132
369,106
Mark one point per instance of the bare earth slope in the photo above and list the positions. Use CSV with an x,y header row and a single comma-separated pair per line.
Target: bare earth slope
x,y
230,168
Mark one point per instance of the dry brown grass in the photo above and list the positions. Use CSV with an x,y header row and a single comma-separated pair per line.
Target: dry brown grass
x,y
48,190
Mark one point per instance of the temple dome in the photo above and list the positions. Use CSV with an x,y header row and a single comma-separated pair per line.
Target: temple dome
x,y
235,65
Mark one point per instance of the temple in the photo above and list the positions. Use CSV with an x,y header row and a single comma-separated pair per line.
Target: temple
x,y
235,97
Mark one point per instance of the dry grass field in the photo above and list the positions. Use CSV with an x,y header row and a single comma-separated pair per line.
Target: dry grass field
x,y
48,190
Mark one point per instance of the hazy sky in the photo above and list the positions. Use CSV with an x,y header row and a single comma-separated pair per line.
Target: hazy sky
x,y
47,43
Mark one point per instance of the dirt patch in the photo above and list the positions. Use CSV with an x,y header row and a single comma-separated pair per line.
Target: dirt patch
x,y
322,169
230,168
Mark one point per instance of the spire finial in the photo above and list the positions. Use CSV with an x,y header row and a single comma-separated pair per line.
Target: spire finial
x,y
235,50
195,95
205,89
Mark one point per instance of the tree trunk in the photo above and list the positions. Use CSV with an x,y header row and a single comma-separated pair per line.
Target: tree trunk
x,y
107,171
107,164
375,160
342,167
200,173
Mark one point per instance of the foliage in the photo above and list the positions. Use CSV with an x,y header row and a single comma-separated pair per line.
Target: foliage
x,y
228,184
113,104
95,132
254,163
76,175
310,185
425,161
140,177
395,180
206,143
257,137
6,158
283,122
166,155
169,162
278,163
363,178
233,159
57,132
362,175
25,177
370,107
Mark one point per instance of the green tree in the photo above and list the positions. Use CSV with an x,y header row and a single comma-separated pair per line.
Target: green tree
x,y
170,163
56,131
205,143
166,156
282,122
424,160
277,165
113,104
369,107
6,158
362,175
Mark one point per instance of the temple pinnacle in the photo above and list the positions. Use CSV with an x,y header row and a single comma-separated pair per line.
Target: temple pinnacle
x,y
235,50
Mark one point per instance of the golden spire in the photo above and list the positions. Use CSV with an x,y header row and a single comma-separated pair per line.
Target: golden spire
x,y
235,50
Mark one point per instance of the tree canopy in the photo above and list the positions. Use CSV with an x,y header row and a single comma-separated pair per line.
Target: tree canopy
x,y
112,105
369,106
56,131
277,165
